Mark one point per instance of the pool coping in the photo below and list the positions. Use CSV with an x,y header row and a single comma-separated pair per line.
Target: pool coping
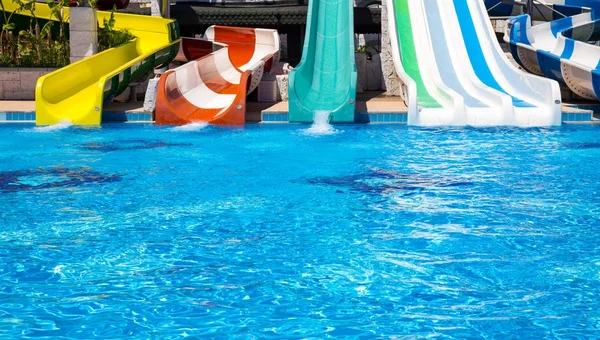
x,y
372,111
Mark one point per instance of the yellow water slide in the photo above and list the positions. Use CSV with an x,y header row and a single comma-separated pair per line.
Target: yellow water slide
x,y
77,92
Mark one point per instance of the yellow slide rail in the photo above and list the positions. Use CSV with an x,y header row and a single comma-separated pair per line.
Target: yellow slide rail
x,y
77,92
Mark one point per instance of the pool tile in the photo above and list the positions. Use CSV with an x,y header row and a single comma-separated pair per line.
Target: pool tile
x,y
386,118
361,118
21,116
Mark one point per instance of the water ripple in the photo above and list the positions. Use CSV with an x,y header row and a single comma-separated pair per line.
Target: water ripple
x,y
262,232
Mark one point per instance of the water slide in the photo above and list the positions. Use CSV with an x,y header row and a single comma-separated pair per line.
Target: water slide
x,y
78,91
222,70
546,10
559,50
454,72
325,79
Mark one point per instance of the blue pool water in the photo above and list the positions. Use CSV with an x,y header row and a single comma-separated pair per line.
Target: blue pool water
x,y
269,232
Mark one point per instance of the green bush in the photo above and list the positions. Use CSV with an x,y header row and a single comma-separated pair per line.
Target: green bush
x,y
109,37
35,46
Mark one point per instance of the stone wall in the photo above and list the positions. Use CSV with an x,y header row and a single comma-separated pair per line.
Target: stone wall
x,y
392,82
19,83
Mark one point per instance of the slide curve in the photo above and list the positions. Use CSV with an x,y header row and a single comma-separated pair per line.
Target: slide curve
x,y
559,50
224,69
325,79
546,10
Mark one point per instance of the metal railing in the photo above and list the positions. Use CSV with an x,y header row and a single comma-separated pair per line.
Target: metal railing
x,y
529,6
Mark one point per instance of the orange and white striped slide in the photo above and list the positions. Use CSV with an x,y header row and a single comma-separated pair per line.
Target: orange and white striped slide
x,y
213,87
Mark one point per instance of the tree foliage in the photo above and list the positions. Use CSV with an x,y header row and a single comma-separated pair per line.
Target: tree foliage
x,y
36,46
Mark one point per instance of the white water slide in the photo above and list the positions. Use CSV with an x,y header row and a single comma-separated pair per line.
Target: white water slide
x,y
455,73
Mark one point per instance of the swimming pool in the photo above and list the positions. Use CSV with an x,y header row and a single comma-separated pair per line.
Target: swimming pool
x,y
267,231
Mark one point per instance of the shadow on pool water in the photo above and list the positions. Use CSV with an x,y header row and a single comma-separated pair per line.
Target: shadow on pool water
x,y
583,145
379,181
129,144
59,177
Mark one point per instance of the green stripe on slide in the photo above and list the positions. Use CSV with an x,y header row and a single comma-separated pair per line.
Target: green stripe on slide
x,y
409,54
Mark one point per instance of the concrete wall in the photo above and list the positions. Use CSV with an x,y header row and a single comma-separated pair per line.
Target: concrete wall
x,y
19,83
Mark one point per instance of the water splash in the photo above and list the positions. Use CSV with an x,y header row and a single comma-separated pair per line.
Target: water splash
x,y
63,124
196,126
321,124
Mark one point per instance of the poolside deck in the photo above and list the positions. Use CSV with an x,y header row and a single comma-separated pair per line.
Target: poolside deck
x,y
373,104
370,108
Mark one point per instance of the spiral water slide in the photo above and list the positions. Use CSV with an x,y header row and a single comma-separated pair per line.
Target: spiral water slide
x,y
77,92
559,49
454,72
325,79
545,10
223,70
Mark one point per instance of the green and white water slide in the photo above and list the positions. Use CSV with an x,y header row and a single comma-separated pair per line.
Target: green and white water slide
x,y
453,71
324,83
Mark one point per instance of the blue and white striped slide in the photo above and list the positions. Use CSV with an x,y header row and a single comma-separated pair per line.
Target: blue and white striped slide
x,y
559,50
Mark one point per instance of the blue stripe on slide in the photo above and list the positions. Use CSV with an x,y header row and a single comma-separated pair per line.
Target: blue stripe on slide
x,y
596,82
558,26
441,49
476,55
569,49
518,31
549,65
